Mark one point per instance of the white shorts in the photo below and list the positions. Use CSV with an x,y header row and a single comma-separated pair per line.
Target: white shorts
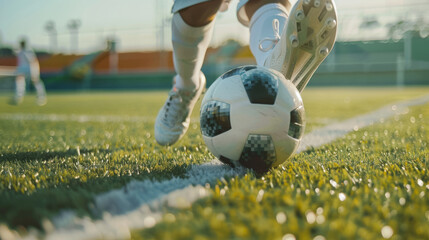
x,y
241,15
32,72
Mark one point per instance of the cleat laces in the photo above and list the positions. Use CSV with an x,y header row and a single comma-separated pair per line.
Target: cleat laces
x,y
272,41
176,107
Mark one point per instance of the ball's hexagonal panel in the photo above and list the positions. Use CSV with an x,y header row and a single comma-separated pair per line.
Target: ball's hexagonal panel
x,y
297,122
261,86
215,118
258,152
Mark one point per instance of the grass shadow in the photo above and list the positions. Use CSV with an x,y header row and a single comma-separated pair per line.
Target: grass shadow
x,y
45,155
29,209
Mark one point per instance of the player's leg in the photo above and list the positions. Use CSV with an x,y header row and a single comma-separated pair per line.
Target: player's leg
x,y
39,86
19,89
266,20
299,48
191,34
192,27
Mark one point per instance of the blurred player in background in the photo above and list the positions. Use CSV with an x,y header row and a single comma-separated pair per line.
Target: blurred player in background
x,y
292,40
28,68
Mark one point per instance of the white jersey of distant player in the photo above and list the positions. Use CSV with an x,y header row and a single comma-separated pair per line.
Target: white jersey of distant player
x,y
28,64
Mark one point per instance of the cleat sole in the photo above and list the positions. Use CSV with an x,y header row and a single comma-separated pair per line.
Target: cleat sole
x,y
299,15
316,3
294,41
312,37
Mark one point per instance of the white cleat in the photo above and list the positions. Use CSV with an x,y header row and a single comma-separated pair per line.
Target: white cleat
x,y
41,100
307,39
174,117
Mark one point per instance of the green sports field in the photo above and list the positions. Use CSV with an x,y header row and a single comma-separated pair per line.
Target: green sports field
x,y
373,183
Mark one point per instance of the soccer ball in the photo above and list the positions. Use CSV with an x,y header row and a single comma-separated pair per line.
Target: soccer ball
x,y
252,116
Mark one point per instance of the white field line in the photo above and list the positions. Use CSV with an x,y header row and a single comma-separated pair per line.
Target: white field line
x,y
329,133
139,204
71,117
82,118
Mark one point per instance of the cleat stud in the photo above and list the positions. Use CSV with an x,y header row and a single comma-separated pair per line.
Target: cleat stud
x,y
324,51
294,41
331,23
329,6
300,15
316,3
306,2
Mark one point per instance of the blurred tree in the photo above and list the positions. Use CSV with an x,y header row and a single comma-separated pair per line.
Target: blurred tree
x,y
6,52
418,27
369,22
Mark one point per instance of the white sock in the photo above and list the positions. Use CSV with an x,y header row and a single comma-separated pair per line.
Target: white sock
x,y
189,48
261,27
40,89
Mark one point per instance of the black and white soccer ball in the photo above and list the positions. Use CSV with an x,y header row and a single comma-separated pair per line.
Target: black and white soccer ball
x,y
252,116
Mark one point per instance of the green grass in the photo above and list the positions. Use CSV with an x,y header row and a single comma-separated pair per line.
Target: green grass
x,y
372,181
47,166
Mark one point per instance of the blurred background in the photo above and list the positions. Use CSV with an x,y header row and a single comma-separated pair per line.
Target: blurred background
x,y
108,44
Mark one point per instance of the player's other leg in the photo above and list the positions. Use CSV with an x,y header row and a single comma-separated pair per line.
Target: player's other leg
x,y
298,48
19,90
192,27
39,86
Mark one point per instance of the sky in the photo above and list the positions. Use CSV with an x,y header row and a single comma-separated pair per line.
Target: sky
x,y
136,24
